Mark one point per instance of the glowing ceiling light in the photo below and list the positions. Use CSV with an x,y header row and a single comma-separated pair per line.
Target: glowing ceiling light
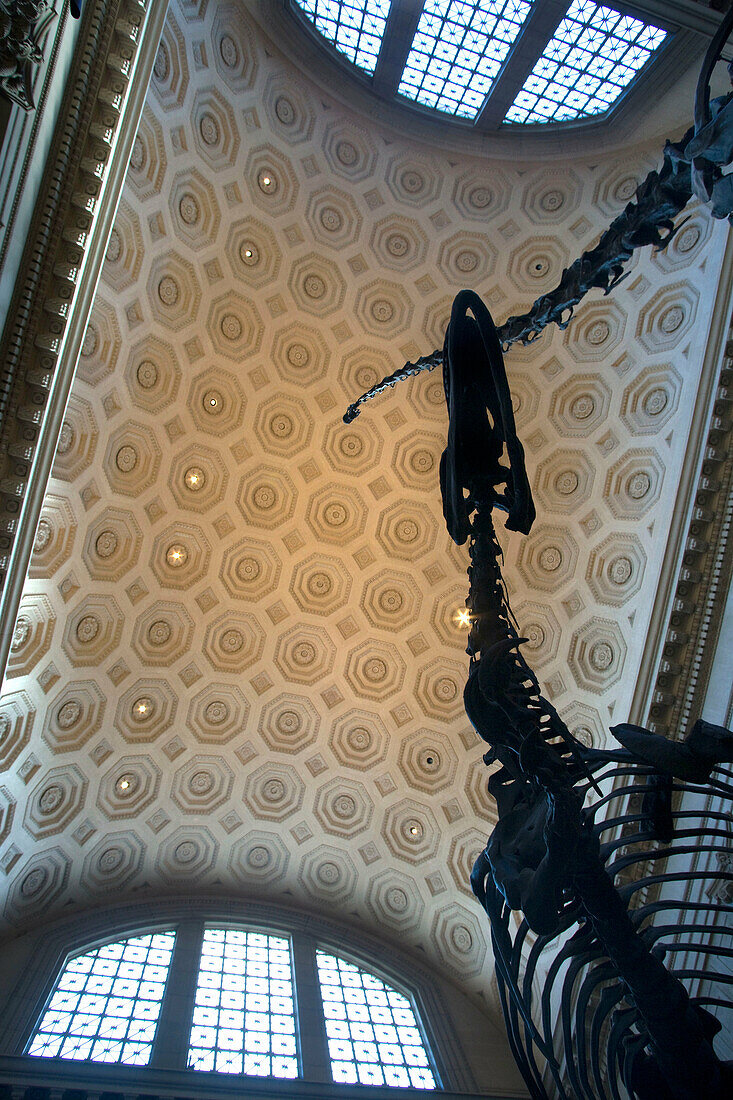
x,y
458,52
176,556
194,478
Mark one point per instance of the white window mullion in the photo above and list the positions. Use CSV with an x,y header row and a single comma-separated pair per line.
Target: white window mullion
x,y
170,1049
313,1041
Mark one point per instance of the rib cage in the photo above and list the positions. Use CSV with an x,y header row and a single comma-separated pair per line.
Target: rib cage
x,y
581,1010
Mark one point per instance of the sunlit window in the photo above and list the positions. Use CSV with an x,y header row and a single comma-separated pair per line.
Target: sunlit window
x,y
372,1031
244,1015
455,59
594,55
458,51
247,993
105,1004
356,29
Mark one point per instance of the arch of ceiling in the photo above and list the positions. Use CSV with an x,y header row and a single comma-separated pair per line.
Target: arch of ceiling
x,y
236,663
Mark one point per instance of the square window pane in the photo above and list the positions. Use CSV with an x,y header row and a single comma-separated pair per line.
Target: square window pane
x,y
344,1073
370,1074
284,1067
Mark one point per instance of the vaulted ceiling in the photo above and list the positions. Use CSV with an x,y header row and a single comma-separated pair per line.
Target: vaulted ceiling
x,y
237,666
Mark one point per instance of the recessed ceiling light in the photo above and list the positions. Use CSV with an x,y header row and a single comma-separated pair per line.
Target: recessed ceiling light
x,y
176,555
267,182
194,478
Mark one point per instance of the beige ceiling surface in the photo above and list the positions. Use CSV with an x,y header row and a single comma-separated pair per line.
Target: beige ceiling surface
x,y
236,665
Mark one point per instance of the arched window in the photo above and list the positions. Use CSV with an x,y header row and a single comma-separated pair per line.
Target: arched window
x,y
373,1033
462,58
222,999
244,1012
105,1004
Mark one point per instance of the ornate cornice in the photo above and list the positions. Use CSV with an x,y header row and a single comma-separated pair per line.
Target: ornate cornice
x,y
25,132
697,572
704,575
63,256
697,568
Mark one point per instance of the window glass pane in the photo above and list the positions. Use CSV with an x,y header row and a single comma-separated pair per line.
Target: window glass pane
x,y
355,28
595,54
105,1004
244,1012
372,1030
458,50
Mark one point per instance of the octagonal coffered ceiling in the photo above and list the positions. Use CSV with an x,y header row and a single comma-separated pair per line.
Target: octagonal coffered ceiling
x,y
236,661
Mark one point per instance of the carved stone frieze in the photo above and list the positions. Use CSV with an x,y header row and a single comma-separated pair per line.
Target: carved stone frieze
x,y
102,342
32,635
194,208
54,801
187,854
395,899
218,713
146,709
39,881
359,739
113,862
148,161
328,874
162,633
343,807
23,30
74,715
170,71
289,723
202,785
410,831
260,858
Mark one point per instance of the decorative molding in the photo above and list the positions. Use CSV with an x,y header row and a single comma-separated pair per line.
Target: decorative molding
x,y
697,567
23,39
84,1081
63,258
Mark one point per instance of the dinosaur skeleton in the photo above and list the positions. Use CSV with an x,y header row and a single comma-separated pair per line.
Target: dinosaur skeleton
x,y
544,855
626,1021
